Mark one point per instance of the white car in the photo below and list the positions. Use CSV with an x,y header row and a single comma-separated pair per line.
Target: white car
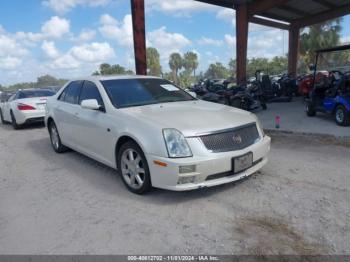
x,y
25,106
154,133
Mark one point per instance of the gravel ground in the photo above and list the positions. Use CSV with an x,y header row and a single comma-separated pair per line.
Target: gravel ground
x,y
69,204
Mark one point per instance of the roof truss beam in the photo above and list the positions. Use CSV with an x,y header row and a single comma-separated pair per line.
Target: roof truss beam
x,y
324,16
257,7
293,10
325,3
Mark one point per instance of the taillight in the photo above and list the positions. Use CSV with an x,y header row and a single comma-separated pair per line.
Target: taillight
x,y
25,107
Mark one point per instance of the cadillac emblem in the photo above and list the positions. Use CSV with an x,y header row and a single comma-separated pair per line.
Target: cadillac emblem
x,y
237,139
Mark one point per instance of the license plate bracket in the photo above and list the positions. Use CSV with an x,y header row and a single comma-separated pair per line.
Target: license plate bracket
x,y
242,162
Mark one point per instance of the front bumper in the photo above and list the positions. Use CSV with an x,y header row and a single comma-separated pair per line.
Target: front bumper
x,y
211,170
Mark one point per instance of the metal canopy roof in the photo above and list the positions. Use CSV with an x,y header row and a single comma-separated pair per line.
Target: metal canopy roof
x,y
298,13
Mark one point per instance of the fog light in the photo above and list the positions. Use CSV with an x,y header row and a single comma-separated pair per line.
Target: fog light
x,y
187,169
186,179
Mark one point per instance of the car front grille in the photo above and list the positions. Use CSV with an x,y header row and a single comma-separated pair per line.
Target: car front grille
x,y
232,139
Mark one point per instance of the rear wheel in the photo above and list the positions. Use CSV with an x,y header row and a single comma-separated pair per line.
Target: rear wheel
x,y
310,110
55,139
14,122
342,116
133,168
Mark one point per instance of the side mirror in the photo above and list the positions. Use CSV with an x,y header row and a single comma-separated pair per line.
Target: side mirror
x,y
311,67
91,104
193,94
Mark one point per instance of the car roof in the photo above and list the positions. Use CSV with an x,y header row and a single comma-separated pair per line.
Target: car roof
x,y
34,89
114,77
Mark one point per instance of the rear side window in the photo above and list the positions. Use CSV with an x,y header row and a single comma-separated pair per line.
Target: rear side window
x,y
71,92
90,91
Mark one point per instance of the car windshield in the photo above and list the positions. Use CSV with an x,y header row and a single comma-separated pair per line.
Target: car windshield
x,y
34,93
143,91
334,61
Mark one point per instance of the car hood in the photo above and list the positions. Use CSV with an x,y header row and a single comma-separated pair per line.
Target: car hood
x,y
192,117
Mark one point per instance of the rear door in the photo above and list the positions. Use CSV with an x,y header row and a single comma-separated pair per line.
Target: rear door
x,y
95,137
66,113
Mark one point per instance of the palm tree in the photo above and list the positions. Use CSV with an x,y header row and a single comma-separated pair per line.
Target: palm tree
x,y
153,63
175,64
191,62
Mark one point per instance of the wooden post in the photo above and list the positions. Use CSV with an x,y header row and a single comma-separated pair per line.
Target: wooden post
x,y
294,35
138,23
241,42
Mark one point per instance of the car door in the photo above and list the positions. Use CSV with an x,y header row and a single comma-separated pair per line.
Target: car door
x,y
66,111
94,126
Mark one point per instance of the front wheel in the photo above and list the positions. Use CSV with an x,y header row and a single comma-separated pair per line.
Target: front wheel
x,y
342,116
55,139
310,110
133,168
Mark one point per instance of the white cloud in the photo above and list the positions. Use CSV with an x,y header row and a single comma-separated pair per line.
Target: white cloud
x,y
85,35
10,62
120,31
268,43
93,53
230,40
209,41
56,27
77,56
67,61
9,46
227,15
64,6
166,42
345,40
50,49
12,52
107,19
28,38
178,7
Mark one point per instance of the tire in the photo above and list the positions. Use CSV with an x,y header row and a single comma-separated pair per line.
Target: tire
x,y
55,139
342,116
310,110
133,168
14,122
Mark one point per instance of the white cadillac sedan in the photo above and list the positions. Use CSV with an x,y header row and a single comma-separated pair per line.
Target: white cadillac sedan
x,y
24,107
154,133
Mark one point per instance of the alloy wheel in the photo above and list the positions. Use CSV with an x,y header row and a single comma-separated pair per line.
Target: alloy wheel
x,y
132,168
339,115
54,136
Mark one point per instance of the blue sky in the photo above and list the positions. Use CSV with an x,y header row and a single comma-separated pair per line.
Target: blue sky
x,y
70,38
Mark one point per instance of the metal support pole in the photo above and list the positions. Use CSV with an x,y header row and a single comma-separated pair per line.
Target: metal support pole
x,y
242,42
138,23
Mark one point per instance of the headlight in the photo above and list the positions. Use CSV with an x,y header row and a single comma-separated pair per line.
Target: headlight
x,y
176,143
